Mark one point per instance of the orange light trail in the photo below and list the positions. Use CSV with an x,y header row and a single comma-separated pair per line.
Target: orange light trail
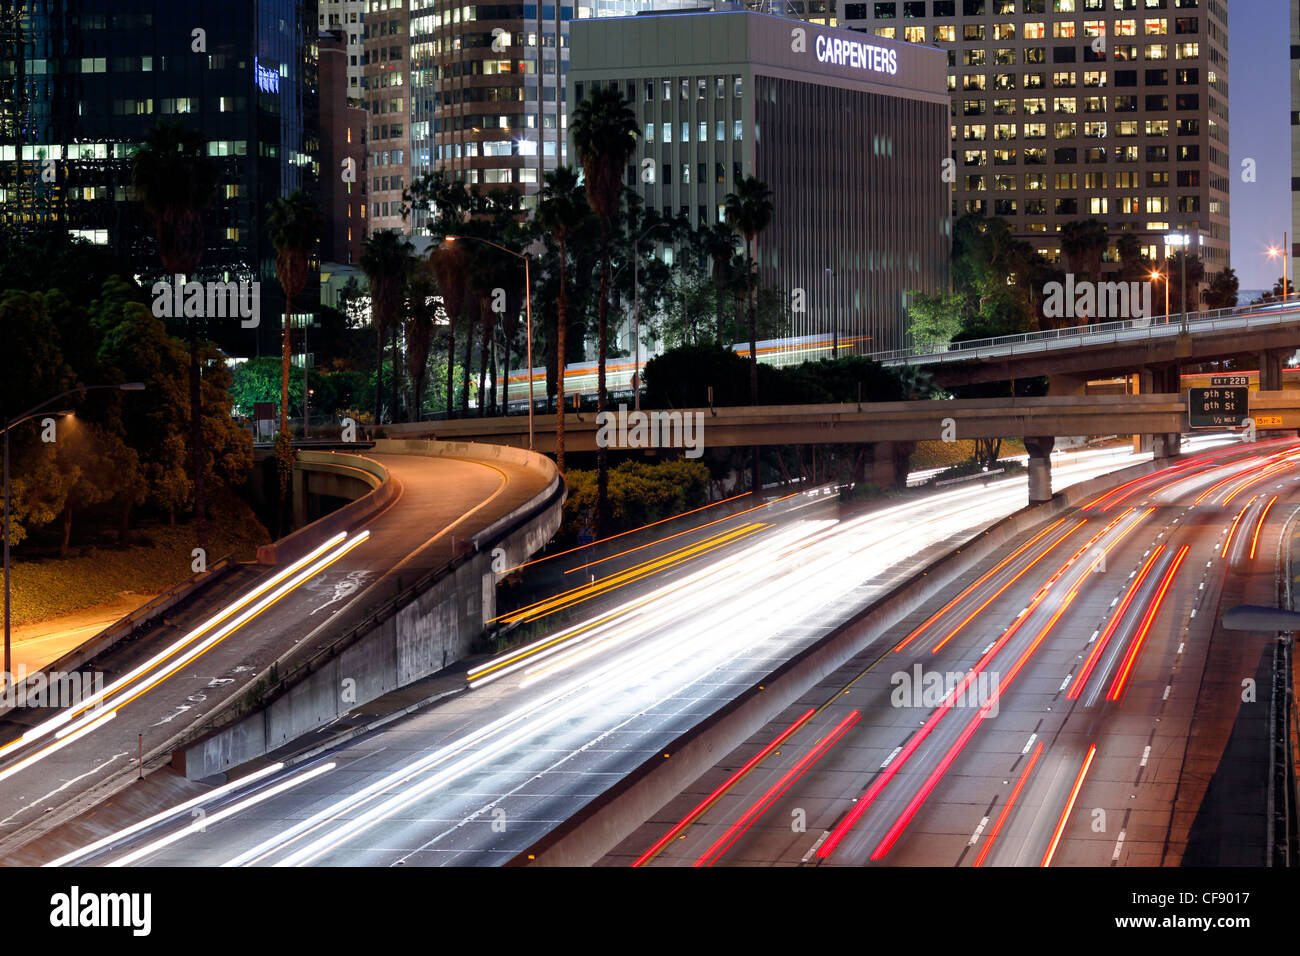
x,y
1011,802
932,781
589,544
1069,806
1233,530
969,617
707,524
586,591
970,590
727,785
1260,527
750,816
916,740
1077,687
1121,678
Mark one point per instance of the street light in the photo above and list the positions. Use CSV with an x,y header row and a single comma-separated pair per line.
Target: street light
x,y
9,423
528,305
1185,241
1273,253
636,315
1157,276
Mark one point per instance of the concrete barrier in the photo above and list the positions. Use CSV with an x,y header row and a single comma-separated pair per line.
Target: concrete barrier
x,y
427,627
363,469
611,817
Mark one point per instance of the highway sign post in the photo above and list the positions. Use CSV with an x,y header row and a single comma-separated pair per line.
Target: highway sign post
x,y
1217,407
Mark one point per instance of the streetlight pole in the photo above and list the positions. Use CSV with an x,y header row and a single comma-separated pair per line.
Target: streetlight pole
x,y
9,424
1157,275
1273,254
528,306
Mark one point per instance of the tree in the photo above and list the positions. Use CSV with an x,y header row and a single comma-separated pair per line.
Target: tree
x,y
1184,285
386,260
1084,242
604,130
1132,264
719,241
295,226
175,181
1222,293
935,319
421,316
748,210
561,209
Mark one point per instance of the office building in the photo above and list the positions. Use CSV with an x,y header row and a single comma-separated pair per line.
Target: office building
x,y
346,17
849,132
343,157
83,81
1065,110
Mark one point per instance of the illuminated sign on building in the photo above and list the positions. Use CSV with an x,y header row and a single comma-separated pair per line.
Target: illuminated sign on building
x,y
268,80
860,56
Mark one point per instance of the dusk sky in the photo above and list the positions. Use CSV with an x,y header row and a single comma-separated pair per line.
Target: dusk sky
x,y
1260,125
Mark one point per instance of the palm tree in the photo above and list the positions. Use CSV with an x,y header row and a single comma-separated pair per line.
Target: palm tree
x,y
295,225
1084,242
386,260
561,209
604,131
422,308
448,266
749,211
175,181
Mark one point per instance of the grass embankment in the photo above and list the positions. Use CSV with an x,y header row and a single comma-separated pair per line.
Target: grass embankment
x,y
158,556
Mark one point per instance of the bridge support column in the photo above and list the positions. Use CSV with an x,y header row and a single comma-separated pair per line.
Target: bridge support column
x,y
881,469
890,463
1040,468
1161,380
1271,363
299,490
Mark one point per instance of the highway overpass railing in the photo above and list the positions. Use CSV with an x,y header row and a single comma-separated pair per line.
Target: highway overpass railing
x,y
1101,333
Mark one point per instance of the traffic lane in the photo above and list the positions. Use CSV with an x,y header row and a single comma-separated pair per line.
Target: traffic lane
x,y
748,667
872,693
783,718
961,653
571,761
412,529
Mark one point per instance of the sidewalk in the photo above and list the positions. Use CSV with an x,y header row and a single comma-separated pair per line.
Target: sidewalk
x,y
35,645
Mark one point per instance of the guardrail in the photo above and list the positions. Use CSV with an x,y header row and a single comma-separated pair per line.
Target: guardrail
x,y
382,492
1102,333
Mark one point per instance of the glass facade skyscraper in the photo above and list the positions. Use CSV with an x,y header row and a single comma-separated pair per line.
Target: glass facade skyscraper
x,y
83,81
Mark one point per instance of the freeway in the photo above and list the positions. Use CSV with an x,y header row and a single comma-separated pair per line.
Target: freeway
x,y
158,685
673,629
1073,702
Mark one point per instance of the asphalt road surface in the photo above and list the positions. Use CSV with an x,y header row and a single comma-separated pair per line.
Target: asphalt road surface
x,y
678,629
1072,703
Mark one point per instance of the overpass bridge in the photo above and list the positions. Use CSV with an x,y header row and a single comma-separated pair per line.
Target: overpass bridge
x,y
881,425
1157,348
